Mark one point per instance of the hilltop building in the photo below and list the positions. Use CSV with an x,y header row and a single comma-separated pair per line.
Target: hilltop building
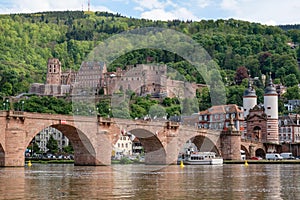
x,y
58,83
147,80
93,78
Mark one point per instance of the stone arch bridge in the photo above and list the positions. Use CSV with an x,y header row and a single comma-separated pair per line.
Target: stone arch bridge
x,y
92,137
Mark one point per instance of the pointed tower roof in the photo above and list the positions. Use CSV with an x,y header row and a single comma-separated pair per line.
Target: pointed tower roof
x,y
270,89
250,91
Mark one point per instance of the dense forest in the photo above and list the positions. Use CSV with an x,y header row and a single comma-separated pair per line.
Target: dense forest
x,y
28,40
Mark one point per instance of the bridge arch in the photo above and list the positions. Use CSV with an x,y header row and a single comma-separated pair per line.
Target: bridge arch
x,y
155,152
204,139
85,146
84,151
205,144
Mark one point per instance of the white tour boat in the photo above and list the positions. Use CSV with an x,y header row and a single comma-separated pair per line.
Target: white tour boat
x,y
202,158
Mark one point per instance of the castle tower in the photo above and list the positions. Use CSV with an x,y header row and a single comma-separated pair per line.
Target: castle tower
x,y
249,99
271,110
231,142
53,71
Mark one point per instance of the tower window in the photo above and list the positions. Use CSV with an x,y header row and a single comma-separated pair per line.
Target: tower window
x,y
269,107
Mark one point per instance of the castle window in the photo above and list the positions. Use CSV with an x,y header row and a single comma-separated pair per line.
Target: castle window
x,y
268,107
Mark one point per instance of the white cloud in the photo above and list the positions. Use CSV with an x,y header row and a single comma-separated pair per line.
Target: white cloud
x,y
139,9
100,8
27,6
270,12
203,3
267,11
157,14
150,4
160,14
230,5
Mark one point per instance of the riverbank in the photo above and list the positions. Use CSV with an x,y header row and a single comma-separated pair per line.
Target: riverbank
x,y
50,161
262,161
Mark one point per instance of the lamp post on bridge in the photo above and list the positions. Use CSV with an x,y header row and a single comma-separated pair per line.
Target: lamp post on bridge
x,y
22,105
6,105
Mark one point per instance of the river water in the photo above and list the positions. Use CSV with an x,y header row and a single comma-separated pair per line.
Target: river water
x,y
229,181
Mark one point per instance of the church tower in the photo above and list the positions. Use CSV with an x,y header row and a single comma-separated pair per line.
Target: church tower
x,y
53,72
271,110
249,99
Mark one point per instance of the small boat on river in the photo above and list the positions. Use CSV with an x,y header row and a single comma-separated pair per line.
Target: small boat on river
x,y
194,157
202,158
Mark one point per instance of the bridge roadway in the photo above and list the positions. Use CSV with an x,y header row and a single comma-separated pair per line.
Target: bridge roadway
x,y
92,137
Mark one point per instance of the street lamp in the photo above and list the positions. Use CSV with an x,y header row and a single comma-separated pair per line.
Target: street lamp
x,y
22,106
7,104
109,112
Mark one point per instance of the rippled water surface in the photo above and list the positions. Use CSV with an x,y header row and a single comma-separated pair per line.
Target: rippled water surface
x,y
261,181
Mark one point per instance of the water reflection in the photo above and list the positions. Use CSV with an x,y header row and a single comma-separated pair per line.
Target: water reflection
x,y
137,182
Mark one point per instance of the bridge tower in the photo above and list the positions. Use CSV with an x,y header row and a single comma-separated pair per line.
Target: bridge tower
x,y
271,110
249,98
231,143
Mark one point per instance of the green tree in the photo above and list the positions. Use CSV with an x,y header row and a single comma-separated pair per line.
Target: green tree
x,y
68,149
290,80
292,93
36,148
52,145
157,111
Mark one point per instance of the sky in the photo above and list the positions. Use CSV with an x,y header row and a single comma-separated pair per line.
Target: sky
x,y
270,12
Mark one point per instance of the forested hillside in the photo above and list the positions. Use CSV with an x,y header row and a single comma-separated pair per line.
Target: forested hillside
x,y
28,40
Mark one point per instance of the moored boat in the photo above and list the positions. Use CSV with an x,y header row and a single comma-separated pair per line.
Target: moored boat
x,y
202,158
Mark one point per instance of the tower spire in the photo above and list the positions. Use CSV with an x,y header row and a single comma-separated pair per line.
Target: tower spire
x,y
249,80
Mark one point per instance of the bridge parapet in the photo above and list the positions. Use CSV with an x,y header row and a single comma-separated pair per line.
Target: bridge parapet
x,y
104,121
11,114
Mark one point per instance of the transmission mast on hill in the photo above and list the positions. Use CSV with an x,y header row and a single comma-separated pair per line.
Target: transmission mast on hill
x,y
89,5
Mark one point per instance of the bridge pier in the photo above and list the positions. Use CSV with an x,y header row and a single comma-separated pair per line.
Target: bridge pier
x,y
231,145
14,154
